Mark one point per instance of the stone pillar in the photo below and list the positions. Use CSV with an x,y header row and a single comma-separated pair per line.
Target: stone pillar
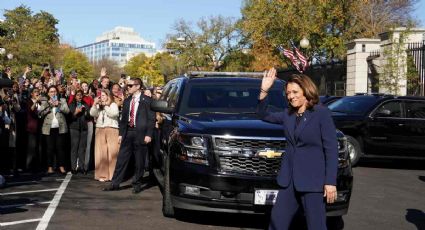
x,y
358,51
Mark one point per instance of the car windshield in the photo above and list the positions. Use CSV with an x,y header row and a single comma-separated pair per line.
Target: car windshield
x,y
228,97
356,105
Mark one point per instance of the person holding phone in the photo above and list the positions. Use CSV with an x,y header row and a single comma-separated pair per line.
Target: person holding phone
x,y
53,112
22,79
106,113
78,131
118,95
32,128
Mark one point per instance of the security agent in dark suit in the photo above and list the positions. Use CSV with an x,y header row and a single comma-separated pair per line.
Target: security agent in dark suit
x,y
309,167
135,132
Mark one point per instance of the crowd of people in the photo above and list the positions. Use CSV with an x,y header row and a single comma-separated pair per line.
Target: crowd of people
x,y
54,124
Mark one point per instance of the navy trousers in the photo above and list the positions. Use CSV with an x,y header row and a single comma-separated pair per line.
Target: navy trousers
x,y
130,145
288,202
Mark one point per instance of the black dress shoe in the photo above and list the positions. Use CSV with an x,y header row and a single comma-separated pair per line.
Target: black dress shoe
x,y
110,188
137,189
74,172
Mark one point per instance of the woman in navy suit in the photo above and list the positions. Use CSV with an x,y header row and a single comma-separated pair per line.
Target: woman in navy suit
x,y
308,172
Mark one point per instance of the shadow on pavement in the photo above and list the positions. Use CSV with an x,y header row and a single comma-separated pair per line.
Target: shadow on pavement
x,y
13,205
259,221
416,217
223,219
392,163
422,178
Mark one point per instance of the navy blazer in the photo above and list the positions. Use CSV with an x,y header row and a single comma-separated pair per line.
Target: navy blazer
x,y
145,118
311,157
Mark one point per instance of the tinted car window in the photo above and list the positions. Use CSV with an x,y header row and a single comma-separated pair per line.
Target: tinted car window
x,y
415,109
166,90
228,97
174,94
389,109
356,105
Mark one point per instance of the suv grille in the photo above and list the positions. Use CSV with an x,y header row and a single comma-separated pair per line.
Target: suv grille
x,y
250,165
250,144
238,155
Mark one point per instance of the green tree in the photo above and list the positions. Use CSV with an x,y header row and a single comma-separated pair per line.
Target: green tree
x,y
76,61
238,61
132,67
205,47
32,39
328,24
412,75
112,68
169,66
394,71
150,74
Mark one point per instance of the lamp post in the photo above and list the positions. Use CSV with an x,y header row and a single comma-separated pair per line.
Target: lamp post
x,y
9,56
304,43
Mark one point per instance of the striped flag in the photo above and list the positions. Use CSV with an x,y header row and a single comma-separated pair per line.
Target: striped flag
x,y
298,60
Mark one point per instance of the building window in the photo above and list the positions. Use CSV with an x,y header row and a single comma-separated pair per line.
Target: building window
x,y
363,47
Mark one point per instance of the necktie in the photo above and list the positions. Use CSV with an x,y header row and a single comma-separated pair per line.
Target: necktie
x,y
133,102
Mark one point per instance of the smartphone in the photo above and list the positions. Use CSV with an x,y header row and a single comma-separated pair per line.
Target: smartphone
x,y
55,98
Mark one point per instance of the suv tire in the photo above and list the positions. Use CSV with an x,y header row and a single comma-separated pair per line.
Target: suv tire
x,y
167,205
354,150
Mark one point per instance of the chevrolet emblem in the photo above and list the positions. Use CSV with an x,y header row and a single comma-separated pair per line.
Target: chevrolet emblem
x,y
269,154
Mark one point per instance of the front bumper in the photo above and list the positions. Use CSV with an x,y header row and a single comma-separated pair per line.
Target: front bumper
x,y
234,193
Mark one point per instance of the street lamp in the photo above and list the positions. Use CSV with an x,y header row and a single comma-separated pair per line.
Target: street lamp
x,y
304,43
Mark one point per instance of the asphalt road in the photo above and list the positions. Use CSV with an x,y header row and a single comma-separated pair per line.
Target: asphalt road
x,y
387,195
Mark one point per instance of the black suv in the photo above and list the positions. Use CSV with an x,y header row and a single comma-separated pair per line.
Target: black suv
x,y
382,125
217,155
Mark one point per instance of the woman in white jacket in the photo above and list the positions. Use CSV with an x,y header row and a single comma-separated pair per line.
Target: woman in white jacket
x,y
106,137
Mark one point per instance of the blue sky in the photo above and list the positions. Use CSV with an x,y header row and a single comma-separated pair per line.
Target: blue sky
x,y
81,21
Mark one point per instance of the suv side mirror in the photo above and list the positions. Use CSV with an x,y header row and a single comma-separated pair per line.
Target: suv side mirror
x,y
383,113
161,106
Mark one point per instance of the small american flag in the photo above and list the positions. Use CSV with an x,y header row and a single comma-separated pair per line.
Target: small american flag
x,y
299,61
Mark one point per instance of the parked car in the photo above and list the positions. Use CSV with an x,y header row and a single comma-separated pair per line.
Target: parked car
x,y
217,155
326,100
382,125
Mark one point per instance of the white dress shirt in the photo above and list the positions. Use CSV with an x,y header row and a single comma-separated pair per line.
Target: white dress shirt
x,y
135,97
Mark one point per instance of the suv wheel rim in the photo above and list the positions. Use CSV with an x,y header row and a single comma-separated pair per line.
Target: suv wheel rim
x,y
351,151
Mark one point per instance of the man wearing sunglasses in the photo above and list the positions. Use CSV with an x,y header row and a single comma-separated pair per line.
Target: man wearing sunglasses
x,y
135,132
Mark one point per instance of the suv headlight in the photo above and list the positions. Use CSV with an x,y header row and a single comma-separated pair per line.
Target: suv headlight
x,y
194,149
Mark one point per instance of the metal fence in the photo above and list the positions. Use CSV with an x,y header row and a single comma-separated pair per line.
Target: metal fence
x,y
417,51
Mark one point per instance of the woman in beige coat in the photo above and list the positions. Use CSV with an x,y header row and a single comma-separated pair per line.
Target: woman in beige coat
x,y
106,137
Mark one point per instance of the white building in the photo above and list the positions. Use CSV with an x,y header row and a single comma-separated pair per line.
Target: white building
x,y
119,44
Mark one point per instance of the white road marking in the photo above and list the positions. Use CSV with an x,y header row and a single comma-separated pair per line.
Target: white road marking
x,y
23,204
19,222
44,222
31,191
